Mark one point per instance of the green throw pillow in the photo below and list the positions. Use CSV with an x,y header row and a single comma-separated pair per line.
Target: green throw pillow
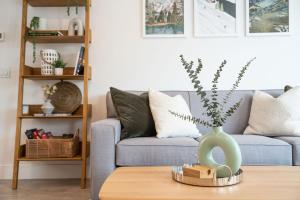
x,y
134,113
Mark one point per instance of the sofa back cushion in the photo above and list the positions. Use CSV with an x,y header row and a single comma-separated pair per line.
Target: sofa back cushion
x,y
236,124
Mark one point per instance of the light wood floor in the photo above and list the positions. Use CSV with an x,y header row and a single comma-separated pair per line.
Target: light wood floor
x,y
44,190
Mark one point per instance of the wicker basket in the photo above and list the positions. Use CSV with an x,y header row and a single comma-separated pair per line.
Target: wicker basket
x,y
52,148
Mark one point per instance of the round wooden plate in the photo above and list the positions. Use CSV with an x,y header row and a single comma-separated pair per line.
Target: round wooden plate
x,y
67,98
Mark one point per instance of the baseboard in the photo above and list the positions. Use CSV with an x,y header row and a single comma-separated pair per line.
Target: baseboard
x,y
42,171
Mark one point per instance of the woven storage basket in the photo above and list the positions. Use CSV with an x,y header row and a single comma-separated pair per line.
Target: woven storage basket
x,y
52,148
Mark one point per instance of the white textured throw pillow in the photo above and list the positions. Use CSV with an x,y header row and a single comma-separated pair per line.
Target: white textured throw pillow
x,y
166,124
275,116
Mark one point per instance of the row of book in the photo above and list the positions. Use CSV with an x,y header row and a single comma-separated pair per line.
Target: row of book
x,y
79,65
45,33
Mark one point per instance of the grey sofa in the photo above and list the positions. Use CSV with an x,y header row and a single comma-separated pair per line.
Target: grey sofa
x,y
108,152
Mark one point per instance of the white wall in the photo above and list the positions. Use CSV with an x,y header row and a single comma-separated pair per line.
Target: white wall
x,y
120,57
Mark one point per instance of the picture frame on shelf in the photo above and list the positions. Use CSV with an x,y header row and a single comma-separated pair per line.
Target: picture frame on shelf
x,y
164,18
268,18
215,18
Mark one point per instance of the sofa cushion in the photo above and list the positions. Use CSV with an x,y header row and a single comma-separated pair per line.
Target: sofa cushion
x,y
237,123
271,116
256,150
151,151
295,142
134,113
259,150
167,124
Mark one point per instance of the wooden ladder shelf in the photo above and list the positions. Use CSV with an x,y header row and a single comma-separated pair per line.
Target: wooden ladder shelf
x,y
31,73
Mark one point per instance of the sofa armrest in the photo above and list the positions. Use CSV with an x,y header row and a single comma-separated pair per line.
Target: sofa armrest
x,y
105,135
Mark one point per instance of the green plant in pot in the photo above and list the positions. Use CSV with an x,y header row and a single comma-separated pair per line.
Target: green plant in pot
x,y
59,66
216,112
34,25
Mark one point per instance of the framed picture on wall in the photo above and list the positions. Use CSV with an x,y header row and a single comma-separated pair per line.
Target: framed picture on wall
x,y
268,17
215,18
163,18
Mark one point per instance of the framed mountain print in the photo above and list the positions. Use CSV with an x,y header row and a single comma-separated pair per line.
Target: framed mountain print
x,y
268,17
214,18
163,18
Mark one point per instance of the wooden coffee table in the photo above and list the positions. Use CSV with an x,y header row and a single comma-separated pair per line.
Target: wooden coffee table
x,y
155,183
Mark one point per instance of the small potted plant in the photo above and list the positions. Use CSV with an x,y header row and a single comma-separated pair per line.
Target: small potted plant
x,y
59,66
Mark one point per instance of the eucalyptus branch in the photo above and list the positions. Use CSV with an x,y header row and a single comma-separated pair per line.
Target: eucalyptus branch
x,y
231,110
190,118
216,116
194,76
237,82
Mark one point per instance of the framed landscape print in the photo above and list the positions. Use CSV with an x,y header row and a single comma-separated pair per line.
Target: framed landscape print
x,y
268,17
213,18
163,18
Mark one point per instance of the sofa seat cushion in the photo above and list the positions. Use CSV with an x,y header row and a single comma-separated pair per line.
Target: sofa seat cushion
x,y
152,151
295,142
259,150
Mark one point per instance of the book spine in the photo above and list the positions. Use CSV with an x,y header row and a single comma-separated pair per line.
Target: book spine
x,y
42,34
77,59
80,60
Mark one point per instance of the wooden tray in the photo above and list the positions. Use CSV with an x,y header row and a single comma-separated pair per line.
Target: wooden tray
x,y
177,175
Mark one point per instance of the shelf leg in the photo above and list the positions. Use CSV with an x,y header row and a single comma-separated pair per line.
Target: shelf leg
x,y
15,175
16,155
85,98
20,96
83,167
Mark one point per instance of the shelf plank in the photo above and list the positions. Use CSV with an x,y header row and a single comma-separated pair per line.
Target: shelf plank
x,y
51,117
64,77
55,3
34,73
55,39
33,109
77,157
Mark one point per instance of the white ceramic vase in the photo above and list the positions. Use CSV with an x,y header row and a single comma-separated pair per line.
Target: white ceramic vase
x,y
47,107
231,149
59,71
48,56
75,25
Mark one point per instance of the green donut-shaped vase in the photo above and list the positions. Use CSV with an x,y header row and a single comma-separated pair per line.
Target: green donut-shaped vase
x,y
231,149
